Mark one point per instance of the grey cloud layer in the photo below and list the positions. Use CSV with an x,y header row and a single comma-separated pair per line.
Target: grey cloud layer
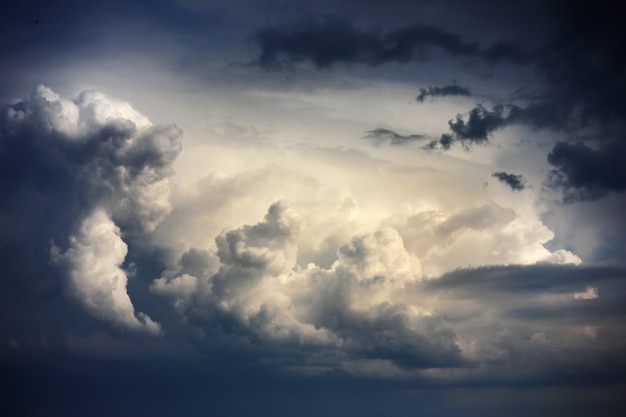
x,y
335,40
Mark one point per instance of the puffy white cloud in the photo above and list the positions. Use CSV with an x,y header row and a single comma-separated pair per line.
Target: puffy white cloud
x,y
100,171
95,277
353,303
372,312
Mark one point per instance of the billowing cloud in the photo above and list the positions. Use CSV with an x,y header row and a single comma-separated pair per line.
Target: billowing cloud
x,y
100,169
477,128
95,277
288,262
373,306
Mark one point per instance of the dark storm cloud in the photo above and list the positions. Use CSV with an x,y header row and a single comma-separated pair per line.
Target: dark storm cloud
x,y
515,181
382,136
582,94
334,40
584,69
585,173
443,91
580,91
578,88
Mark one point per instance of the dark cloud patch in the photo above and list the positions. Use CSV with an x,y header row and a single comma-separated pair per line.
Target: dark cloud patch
x,y
523,280
322,41
581,94
515,181
381,136
477,127
587,174
335,40
443,91
584,69
479,124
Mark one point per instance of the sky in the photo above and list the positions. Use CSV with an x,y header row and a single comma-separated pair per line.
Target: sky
x,y
349,207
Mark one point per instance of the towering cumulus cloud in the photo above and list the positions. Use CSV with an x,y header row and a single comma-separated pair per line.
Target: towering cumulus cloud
x,y
95,276
373,311
78,175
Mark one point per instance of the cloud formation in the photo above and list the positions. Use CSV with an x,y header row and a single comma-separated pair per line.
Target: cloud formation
x,y
372,312
587,174
443,91
515,181
96,279
293,266
100,170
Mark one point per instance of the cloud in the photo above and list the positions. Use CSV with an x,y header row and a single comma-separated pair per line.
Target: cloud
x,y
583,69
373,305
515,181
334,40
477,128
578,93
483,235
585,173
78,175
387,136
95,277
479,125
443,91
